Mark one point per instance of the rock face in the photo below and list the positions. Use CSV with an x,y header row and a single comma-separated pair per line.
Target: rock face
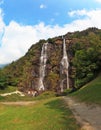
x,y
44,71
56,53
40,68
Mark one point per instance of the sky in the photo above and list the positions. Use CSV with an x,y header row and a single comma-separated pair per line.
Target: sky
x,y
25,22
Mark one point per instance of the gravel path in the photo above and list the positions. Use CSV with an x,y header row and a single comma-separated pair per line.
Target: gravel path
x,y
88,116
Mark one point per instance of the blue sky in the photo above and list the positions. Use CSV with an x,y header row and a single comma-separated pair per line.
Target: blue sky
x,y
24,22
48,11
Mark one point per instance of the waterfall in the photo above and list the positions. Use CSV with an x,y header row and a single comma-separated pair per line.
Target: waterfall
x,y
64,67
43,60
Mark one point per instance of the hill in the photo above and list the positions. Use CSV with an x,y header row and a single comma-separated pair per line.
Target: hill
x,y
83,50
90,93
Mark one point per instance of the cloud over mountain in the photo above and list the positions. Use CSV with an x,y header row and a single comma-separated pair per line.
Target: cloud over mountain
x,y
16,38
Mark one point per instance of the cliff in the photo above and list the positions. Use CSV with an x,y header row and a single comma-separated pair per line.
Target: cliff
x,y
84,56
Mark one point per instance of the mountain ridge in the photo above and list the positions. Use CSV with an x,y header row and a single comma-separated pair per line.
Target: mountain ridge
x,y
84,53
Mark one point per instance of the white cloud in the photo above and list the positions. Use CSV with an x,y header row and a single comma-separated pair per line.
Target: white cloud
x,y
42,6
16,39
98,1
92,17
77,13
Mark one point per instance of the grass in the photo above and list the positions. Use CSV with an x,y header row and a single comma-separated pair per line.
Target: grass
x,y
8,89
90,93
49,114
16,97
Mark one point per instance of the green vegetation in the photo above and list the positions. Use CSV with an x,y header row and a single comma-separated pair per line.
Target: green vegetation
x,y
45,95
50,114
3,82
90,93
16,97
84,53
87,58
8,89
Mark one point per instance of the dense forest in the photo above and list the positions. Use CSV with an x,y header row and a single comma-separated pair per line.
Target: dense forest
x,y
84,53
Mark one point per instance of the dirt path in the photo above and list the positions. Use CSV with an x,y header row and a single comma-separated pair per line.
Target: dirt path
x,y
21,103
88,116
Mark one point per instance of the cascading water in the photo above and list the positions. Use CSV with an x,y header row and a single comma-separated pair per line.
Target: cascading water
x,y
43,60
64,67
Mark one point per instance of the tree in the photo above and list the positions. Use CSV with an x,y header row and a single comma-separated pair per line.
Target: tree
x,y
3,81
86,63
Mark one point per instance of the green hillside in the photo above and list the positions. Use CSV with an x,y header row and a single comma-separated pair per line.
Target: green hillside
x,y
90,93
84,54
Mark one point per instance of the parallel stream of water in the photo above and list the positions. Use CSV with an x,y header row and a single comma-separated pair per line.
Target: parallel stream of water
x,y
64,67
43,60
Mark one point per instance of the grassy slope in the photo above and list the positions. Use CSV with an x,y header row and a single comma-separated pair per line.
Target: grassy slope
x,y
49,114
91,93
